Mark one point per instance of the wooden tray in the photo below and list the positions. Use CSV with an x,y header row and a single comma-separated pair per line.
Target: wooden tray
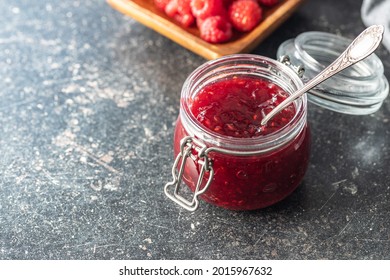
x,y
146,13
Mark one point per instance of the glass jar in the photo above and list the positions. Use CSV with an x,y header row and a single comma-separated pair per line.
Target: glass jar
x,y
239,173
252,173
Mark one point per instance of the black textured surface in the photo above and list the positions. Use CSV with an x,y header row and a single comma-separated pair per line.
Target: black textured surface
x,y
88,103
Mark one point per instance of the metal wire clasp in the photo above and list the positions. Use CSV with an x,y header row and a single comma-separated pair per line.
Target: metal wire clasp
x,y
300,69
187,145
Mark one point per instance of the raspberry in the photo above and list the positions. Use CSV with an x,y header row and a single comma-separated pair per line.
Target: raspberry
x,y
268,3
185,20
185,16
244,15
206,8
184,7
171,8
161,4
199,22
224,15
227,3
180,11
216,29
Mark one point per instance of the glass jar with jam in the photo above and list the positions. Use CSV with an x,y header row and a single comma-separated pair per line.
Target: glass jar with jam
x,y
223,153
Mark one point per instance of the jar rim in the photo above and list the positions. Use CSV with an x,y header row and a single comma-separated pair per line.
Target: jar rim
x,y
239,64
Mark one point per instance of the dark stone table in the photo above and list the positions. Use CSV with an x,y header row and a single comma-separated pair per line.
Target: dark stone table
x,y
88,104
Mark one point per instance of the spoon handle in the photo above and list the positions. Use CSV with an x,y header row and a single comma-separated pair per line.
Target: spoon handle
x,y
360,48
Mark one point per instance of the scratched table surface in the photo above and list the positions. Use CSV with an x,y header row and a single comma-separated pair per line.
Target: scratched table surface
x,y
88,104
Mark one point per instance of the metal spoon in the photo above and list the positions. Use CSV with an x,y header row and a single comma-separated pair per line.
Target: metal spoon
x,y
360,48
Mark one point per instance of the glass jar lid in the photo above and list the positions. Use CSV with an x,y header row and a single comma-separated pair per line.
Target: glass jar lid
x,y
358,90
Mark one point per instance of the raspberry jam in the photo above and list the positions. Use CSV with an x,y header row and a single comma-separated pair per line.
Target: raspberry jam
x,y
248,166
235,107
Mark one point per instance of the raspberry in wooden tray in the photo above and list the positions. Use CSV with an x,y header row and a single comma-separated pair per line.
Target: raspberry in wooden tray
x,y
217,20
245,15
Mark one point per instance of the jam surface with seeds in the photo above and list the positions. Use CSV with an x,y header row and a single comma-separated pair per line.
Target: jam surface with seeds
x,y
235,107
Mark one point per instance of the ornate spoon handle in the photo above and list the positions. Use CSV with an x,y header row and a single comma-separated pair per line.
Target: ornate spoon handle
x,y
363,45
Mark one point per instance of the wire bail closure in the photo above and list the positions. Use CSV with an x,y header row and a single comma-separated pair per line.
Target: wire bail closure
x,y
187,145
299,70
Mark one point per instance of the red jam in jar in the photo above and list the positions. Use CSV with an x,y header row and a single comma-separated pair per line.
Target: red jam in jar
x,y
235,107
223,153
